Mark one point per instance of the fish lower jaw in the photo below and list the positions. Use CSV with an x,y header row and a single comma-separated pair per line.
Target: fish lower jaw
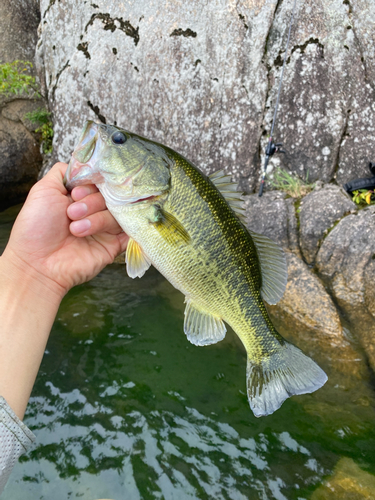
x,y
146,199
117,199
79,174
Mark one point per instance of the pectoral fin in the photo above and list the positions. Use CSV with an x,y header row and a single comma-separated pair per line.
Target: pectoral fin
x,y
201,327
137,262
170,228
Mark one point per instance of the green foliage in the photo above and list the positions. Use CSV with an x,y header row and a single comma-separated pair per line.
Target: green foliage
x,y
42,117
290,183
364,196
15,80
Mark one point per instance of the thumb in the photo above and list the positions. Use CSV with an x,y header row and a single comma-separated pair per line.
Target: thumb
x,y
54,178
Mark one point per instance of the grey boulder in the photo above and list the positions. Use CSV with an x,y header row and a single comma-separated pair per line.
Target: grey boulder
x,y
346,263
318,212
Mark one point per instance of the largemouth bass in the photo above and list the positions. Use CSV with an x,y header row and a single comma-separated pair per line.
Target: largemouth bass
x,y
188,225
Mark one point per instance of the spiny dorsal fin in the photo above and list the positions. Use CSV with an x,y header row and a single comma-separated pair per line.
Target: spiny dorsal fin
x,y
273,266
229,190
201,327
170,228
136,261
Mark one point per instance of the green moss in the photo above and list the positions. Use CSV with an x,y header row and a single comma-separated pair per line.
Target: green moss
x,y
297,209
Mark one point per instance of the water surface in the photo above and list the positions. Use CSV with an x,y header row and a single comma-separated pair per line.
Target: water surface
x,y
124,407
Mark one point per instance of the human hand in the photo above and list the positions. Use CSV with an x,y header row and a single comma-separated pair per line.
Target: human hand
x,y
46,243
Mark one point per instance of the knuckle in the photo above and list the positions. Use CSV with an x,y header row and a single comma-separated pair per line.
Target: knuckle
x,y
95,202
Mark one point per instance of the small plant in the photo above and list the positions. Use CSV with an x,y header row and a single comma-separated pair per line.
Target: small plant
x,y
290,183
361,196
15,80
42,117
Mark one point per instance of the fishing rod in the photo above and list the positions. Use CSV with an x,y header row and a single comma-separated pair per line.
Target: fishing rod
x,y
273,148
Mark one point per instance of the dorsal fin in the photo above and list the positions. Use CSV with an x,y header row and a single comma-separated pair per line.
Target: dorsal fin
x,y
218,173
273,266
229,190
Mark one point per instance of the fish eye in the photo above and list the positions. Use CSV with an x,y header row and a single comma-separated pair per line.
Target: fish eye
x,y
118,138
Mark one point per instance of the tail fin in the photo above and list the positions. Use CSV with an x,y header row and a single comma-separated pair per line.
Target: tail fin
x,y
277,377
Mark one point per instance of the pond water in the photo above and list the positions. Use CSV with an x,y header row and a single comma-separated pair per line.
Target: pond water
x,y
124,408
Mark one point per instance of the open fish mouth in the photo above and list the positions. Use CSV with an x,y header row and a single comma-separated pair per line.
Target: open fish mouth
x,y
79,174
82,166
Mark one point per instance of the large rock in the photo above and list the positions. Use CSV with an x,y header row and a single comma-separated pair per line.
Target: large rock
x,y
357,147
327,105
273,215
348,482
190,76
18,29
364,28
345,261
20,158
203,77
318,212
306,306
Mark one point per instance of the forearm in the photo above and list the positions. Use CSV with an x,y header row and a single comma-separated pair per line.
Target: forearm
x,y
28,306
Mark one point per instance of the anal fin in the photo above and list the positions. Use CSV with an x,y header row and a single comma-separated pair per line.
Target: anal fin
x,y
137,262
282,374
201,327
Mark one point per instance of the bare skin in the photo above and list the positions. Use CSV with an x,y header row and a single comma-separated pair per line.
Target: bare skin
x,y
59,240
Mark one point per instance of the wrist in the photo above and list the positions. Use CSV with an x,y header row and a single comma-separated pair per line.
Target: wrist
x,y
23,279
28,306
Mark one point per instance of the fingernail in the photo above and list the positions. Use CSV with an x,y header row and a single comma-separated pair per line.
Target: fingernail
x,y
77,210
80,192
80,226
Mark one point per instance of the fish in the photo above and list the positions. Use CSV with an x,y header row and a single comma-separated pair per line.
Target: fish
x,y
191,227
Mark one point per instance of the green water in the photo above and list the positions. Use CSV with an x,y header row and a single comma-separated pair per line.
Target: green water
x,y
125,408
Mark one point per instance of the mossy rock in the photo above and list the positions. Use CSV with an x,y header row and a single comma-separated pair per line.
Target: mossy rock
x,y
348,482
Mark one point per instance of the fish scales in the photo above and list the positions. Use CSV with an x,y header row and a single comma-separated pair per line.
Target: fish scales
x,y
229,247
183,223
